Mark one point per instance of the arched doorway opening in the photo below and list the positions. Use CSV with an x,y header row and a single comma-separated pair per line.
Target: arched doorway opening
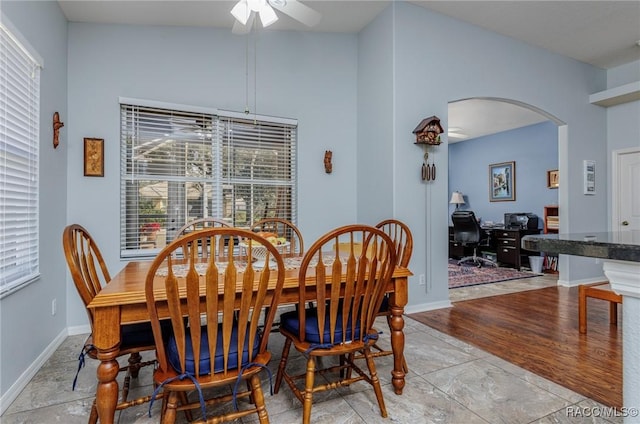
x,y
485,131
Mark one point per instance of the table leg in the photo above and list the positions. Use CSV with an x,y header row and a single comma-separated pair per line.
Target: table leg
x,y
106,338
397,302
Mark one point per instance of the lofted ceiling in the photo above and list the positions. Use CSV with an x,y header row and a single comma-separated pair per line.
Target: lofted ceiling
x,y
602,33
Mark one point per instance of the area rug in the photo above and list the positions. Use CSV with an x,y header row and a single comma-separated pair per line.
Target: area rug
x,y
471,275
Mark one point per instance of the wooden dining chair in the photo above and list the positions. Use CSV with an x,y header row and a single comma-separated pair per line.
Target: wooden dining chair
x,y
90,275
286,229
215,309
403,245
349,288
200,224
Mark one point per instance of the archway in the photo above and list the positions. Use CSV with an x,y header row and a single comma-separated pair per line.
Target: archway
x,y
503,127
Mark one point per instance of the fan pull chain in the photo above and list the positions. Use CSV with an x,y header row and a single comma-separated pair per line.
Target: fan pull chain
x,y
255,75
246,77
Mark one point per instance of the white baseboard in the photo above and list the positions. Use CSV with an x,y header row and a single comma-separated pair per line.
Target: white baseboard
x,y
10,395
79,329
574,283
412,309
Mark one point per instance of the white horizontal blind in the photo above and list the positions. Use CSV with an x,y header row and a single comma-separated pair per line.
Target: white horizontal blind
x,y
19,155
258,170
166,179
175,167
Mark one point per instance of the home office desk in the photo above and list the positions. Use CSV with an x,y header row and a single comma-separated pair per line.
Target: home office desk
x,y
123,301
504,242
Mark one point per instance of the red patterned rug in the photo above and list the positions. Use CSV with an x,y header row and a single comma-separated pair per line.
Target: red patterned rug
x,y
470,275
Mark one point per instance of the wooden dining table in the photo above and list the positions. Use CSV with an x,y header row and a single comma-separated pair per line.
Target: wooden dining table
x,y
123,301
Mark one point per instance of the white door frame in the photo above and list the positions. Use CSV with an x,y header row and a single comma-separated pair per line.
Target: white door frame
x,y
615,184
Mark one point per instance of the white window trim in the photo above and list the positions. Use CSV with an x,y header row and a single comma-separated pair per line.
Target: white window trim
x,y
218,113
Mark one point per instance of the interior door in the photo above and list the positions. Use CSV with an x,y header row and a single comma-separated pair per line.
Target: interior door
x,y
626,189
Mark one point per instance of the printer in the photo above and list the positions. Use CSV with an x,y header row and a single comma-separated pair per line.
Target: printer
x,y
521,221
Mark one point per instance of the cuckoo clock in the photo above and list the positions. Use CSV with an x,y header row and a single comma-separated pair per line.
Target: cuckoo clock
x,y
428,134
428,131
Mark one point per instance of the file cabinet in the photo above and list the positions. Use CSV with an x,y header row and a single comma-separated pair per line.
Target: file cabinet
x,y
508,250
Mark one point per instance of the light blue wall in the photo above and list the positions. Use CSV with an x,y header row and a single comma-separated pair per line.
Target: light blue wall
x,y
308,76
26,324
375,107
438,60
535,151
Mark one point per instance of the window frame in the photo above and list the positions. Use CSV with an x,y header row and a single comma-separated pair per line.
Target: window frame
x,y
139,120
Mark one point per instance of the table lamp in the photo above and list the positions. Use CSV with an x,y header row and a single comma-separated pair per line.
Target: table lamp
x,y
457,199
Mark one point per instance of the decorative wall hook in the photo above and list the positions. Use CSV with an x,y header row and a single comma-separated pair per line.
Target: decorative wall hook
x,y
57,124
328,166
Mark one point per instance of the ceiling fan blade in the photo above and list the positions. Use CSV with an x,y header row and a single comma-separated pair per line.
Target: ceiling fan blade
x,y
458,136
240,29
299,12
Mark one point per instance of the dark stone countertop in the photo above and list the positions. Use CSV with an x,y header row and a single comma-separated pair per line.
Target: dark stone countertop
x,y
622,246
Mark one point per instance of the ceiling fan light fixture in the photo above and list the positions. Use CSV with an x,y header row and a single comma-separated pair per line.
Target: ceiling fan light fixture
x,y
241,11
277,3
267,15
256,5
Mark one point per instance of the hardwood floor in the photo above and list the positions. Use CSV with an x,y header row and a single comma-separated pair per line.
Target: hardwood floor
x,y
538,330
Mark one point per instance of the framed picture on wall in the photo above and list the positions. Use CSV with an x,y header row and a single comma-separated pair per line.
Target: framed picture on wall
x,y
552,179
502,182
94,157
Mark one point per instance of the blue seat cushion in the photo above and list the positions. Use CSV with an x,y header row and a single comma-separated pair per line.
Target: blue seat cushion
x,y
205,361
289,322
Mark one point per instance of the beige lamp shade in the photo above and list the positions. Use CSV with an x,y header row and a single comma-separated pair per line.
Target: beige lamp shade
x,y
457,198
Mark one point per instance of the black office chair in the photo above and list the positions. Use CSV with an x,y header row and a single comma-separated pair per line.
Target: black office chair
x,y
467,231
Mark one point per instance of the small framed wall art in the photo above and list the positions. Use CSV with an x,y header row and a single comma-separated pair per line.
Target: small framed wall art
x,y
502,182
94,157
552,179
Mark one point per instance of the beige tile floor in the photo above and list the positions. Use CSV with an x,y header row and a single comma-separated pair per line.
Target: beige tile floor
x,y
449,382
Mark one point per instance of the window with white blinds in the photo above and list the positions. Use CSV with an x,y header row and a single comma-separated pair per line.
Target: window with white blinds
x,y
19,152
177,166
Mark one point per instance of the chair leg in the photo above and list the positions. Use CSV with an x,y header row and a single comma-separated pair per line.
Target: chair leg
x,y
613,313
170,411
308,390
375,381
258,396
93,416
283,364
582,310
185,400
134,364
125,385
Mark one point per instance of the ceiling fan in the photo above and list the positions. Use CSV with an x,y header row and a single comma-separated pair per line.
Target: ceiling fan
x,y
245,12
